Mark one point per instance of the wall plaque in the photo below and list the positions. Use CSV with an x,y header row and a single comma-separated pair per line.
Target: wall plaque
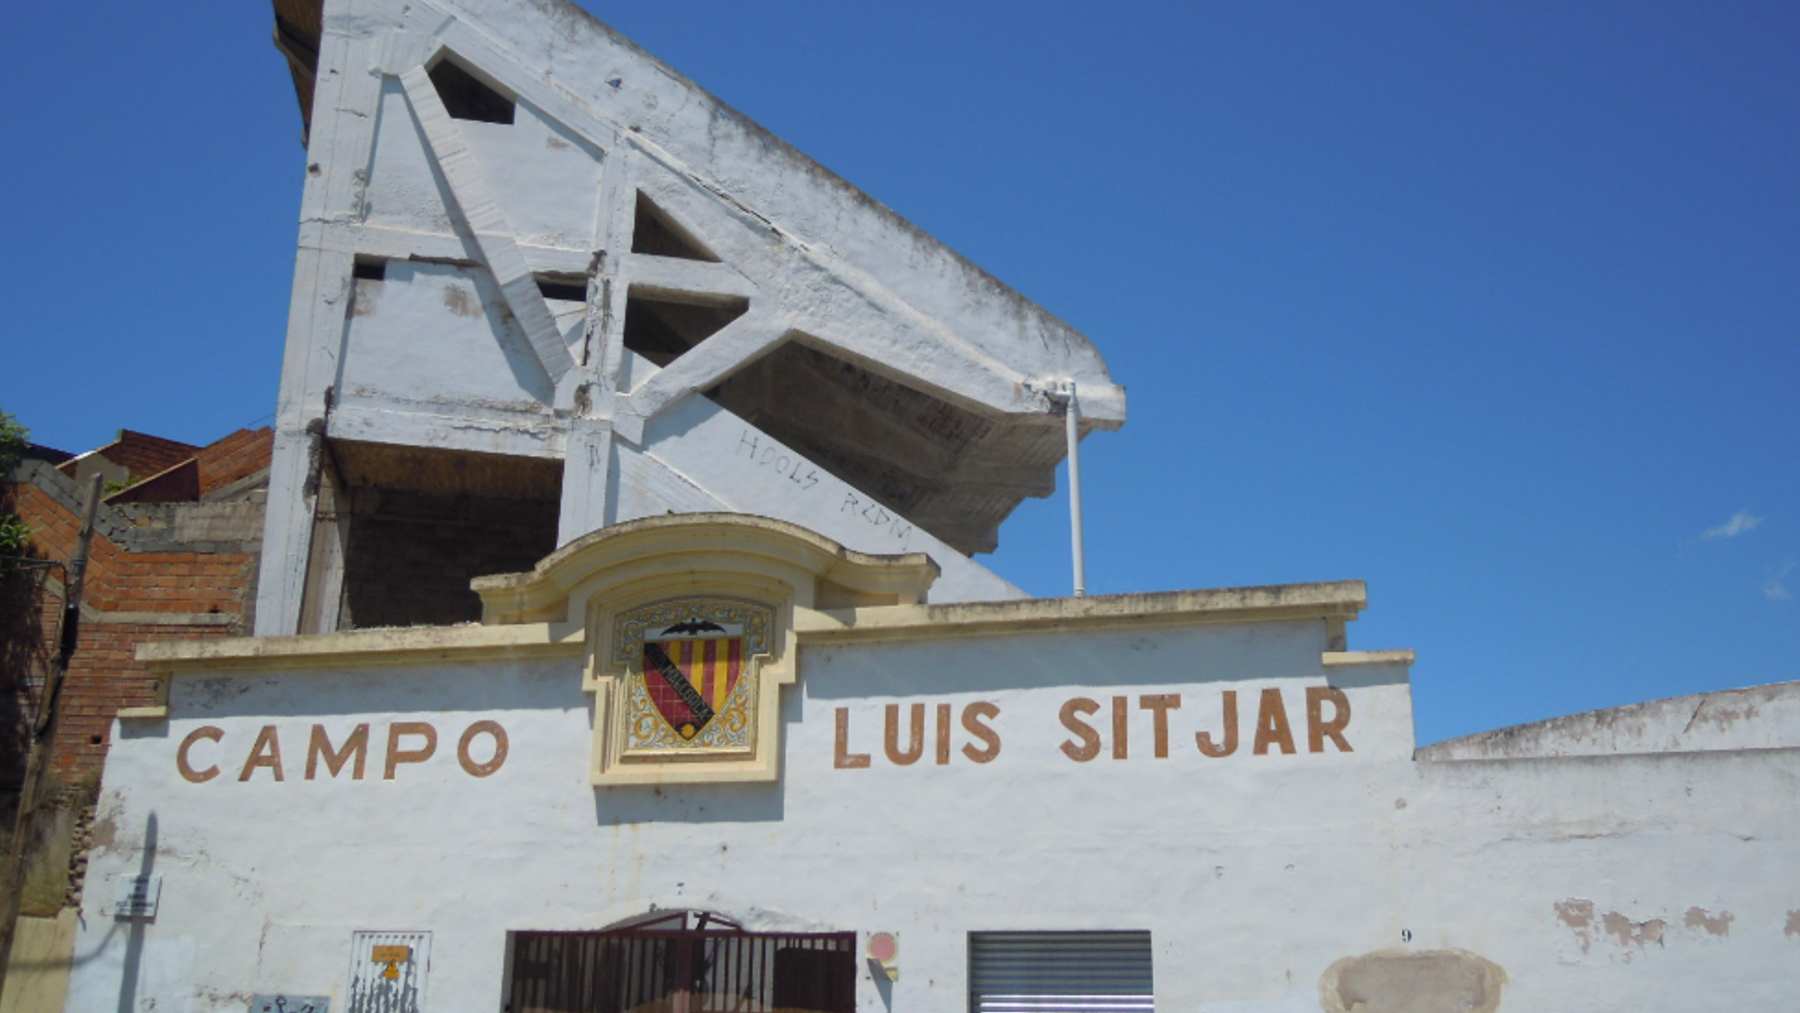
x,y
687,690
138,897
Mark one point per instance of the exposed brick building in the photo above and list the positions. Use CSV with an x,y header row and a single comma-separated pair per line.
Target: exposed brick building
x,y
174,556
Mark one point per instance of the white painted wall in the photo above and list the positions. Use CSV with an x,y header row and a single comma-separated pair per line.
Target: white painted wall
x,y
1254,873
436,338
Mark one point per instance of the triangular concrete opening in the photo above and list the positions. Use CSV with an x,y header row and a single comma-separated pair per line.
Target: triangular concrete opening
x,y
663,329
467,97
656,232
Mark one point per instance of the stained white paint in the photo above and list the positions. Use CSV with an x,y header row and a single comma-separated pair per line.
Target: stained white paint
x,y
1254,873
437,338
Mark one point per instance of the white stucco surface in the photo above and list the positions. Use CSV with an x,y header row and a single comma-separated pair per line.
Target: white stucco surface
x,y
1655,882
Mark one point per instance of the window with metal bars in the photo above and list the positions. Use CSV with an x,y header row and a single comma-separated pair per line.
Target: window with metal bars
x,y
1060,972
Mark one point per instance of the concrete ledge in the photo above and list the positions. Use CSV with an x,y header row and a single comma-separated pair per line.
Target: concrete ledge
x,y
1340,659
162,618
390,646
1338,600
1753,717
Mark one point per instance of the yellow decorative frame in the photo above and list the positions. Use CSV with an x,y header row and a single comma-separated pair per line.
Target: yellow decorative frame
x,y
591,582
611,669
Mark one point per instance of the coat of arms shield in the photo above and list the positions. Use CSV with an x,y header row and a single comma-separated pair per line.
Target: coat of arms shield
x,y
689,671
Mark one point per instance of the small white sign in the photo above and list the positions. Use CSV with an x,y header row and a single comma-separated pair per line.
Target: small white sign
x,y
138,897
290,1004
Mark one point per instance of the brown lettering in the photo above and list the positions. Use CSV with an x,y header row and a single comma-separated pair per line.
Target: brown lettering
x,y
1159,705
1272,725
497,733
943,734
1205,742
915,740
1090,739
1317,728
841,756
396,756
181,754
1121,732
320,746
971,722
265,753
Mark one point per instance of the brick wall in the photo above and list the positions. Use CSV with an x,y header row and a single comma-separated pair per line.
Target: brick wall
x,y
142,454
409,556
235,457
144,583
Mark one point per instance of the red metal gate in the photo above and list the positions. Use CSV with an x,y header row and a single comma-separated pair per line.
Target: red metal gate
x,y
666,965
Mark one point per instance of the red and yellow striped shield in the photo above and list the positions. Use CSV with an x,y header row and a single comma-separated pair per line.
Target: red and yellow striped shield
x,y
689,677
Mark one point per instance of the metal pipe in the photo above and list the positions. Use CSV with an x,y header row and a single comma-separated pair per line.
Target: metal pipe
x,y
1072,428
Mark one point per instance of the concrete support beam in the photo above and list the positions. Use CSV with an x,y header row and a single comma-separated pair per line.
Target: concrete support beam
x,y
708,363
837,306
585,474
604,356
322,595
406,244
488,227
492,433
287,533
674,276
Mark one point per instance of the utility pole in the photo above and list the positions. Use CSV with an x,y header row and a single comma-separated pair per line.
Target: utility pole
x,y
42,731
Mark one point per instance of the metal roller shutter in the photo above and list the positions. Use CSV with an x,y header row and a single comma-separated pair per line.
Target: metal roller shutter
x,y
1060,972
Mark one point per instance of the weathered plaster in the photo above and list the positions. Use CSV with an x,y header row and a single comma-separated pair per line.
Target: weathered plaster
x,y
1758,717
1407,981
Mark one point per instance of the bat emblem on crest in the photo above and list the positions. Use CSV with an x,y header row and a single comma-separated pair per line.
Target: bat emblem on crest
x,y
689,671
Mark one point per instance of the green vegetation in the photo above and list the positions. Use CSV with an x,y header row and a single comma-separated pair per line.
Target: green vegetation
x,y
14,535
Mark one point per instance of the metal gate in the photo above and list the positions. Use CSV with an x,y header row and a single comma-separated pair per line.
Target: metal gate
x,y
666,965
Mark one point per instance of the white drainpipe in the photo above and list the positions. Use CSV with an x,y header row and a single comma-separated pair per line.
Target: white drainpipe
x,y
1072,427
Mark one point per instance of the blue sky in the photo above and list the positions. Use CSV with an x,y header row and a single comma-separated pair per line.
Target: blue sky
x,y
1496,307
